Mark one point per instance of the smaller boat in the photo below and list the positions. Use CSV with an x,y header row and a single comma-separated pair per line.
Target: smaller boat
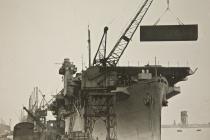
x,y
198,130
179,130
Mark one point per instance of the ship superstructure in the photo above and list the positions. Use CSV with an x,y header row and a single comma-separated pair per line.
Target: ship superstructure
x,y
127,99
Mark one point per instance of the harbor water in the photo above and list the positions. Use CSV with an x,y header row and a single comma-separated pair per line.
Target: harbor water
x,y
186,134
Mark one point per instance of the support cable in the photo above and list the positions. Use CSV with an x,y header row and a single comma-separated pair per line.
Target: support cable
x,y
168,9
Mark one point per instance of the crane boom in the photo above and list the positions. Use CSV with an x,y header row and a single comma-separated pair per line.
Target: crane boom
x,y
35,118
100,55
115,54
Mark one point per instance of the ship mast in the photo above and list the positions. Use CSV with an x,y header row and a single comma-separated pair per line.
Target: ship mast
x,y
89,47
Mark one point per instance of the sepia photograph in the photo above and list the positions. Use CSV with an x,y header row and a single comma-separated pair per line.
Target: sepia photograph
x,y
104,70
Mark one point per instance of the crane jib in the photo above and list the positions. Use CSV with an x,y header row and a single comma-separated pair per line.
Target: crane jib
x,y
114,56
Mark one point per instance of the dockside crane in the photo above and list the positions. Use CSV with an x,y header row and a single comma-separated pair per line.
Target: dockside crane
x,y
99,80
100,55
39,123
114,56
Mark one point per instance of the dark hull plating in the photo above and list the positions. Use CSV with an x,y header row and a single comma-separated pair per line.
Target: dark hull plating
x,y
139,115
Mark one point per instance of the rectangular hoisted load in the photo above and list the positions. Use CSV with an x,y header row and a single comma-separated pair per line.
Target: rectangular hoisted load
x,y
169,33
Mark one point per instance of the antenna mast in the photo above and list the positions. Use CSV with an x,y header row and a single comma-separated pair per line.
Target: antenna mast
x,y
89,46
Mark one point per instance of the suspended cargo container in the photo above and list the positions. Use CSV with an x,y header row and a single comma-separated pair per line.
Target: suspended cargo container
x,y
169,33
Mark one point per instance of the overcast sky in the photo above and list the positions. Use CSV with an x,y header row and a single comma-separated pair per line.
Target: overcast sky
x,y
36,34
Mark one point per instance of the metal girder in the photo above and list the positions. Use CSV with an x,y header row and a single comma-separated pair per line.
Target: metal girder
x,y
100,106
169,33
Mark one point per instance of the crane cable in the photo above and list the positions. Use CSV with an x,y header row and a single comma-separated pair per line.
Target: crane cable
x,y
169,10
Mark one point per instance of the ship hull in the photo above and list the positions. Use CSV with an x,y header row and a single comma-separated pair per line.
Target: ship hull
x,y
139,116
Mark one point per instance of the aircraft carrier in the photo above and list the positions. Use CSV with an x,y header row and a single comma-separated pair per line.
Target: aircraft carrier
x,y
127,100
140,98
